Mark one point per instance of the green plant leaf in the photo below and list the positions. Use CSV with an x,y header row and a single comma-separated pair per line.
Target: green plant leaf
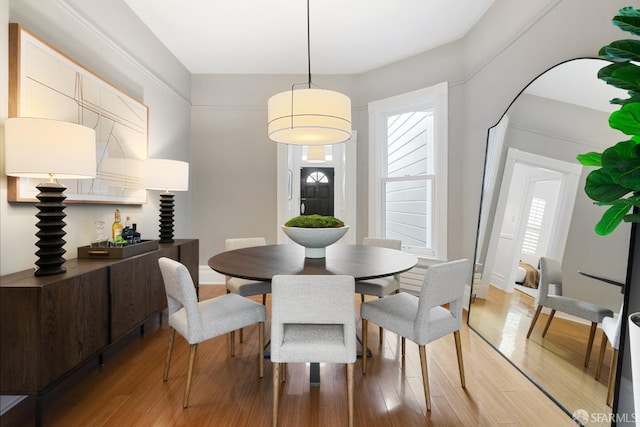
x,y
623,75
621,50
628,11
622,161
620,101
626,119
612,217
632,218
628,19
600,187
590,159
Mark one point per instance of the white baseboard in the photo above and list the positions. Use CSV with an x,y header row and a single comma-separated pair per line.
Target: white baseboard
x,y
209,277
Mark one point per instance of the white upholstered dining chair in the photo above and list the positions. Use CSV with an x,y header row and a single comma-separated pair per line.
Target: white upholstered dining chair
x,y
312,320
200,321
423,319
243,287
551,274
611,327
381,286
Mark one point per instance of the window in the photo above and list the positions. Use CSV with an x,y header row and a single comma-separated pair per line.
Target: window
x,y
317,177
408,170
534,226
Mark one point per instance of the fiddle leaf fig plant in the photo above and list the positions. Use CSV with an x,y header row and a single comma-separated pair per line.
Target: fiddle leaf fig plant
x,y
616,182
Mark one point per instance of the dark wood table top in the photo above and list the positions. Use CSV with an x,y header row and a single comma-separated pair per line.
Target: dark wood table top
x,y
264,262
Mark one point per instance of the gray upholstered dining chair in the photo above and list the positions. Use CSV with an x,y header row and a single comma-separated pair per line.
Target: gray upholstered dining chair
x,y
381,286
423,319
312,320
200,321
611,327
243,287
551,274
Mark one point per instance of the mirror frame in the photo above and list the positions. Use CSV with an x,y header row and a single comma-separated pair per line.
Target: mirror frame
x,y
634,235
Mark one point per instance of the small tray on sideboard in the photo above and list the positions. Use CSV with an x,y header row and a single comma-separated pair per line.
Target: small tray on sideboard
x,y
117,252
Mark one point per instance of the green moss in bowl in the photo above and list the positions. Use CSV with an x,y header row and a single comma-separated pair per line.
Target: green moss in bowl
x,y
314,221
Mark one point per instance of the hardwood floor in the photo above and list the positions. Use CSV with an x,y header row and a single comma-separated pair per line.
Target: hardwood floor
x,y
556,362
128,390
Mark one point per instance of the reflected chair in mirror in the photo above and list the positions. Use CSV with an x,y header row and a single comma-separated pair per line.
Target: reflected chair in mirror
x,y
424,318
200,321
242,287
312,320
551,275
381,286
610,333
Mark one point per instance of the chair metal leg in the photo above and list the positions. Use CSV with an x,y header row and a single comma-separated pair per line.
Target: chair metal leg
x,y
456,336
603,348
365,322
404,346
592,334
192,360
546,327
172,335
261,349
350,390
612,377
232,337
276,391
264,299
534,320
425,375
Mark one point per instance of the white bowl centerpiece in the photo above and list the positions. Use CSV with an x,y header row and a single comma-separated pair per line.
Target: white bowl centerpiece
x,y
315,233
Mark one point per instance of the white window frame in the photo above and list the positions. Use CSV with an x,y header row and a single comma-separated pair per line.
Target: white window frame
x,y
436,98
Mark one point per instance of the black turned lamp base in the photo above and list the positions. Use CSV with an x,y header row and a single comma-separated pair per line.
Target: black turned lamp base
x,y
50,225
166,217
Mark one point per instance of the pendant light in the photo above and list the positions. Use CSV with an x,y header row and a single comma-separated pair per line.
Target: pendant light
x,y
316,154
309,116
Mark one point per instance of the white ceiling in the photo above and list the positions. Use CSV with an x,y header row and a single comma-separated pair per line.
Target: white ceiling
x,y
270,37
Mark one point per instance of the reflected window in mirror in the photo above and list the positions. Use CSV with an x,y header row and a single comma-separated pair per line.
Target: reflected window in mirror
x,y
408,170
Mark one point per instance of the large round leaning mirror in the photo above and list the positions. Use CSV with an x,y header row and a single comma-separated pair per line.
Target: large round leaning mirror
x,y
533,207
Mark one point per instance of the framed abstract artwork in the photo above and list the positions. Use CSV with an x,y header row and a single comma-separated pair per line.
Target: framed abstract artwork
x,y
45,83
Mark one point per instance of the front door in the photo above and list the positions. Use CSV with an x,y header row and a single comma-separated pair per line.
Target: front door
x,y
316,191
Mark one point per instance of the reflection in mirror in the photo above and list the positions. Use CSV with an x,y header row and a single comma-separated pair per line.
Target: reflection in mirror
x,y
533,206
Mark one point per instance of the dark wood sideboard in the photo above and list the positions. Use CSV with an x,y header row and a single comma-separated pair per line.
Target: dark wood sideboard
x,y
52,325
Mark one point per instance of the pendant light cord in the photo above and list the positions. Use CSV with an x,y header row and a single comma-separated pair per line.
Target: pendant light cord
x,y
308,45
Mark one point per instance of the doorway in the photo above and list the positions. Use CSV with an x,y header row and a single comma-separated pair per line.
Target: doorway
x,y
533,213
344,164
316,191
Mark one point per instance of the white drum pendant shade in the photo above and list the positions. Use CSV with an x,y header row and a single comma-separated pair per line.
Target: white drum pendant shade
x,y
309,117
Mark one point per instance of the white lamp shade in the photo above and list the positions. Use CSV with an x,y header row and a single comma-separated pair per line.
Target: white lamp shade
x,y
309,117
166,175
316,154
42,148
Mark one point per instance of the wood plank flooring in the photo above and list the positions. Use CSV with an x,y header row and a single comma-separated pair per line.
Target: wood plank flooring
x,y
128,390
556,362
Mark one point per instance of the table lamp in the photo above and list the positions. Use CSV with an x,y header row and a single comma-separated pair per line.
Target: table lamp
x,y
52,149
168,176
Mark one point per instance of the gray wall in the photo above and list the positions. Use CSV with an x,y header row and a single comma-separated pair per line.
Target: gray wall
x,y
548,128
108,39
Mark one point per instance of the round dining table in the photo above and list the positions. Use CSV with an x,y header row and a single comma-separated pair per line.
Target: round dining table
x,y
263,262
